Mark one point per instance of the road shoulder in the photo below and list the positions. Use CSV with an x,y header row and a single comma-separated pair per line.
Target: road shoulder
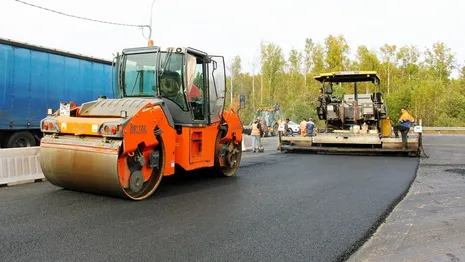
x,y
429,223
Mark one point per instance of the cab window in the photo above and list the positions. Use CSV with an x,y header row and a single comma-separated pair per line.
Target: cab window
x,y
171,84
196,87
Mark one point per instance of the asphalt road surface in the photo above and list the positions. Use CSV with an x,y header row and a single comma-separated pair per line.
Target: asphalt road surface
x,y
279,207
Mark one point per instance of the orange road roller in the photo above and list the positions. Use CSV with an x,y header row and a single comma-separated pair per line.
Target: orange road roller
x,y
168,114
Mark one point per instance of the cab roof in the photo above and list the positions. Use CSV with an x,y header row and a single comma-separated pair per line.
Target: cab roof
x,y
348,76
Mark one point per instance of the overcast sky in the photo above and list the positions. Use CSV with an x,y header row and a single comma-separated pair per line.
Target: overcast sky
x,y
234,27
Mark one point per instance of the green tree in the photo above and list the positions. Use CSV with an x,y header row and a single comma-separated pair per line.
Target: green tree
x,y
367,60
440,60
308,61
318,61
234,70
294,80
272,64
388,54
426,87
236,67
462,73
408,57
337,50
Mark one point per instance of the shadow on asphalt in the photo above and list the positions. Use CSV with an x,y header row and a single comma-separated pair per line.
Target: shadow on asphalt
x,y
178,184
190,182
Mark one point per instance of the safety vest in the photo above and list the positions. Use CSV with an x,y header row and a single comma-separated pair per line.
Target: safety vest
x,y
255,130
406,120
406,117
303,128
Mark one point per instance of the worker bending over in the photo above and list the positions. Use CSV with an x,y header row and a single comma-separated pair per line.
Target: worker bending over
x,y
309,127
405,122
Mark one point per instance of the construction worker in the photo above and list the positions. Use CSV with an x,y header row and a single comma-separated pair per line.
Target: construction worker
x,y
171,88
405,122
285,132
256,133
309,127
303,127
286,127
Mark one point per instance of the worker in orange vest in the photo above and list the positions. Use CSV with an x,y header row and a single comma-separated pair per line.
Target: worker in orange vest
x,y
405,122
257,132
303,127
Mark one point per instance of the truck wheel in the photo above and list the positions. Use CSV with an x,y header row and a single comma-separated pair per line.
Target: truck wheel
x,y
21,139
265,130
275,130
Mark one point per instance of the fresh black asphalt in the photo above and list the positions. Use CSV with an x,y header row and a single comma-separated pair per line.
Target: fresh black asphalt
x,y
278,207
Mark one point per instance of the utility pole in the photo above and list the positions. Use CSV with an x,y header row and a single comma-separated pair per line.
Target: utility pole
x,y
229,68
253,64
261,69
150,25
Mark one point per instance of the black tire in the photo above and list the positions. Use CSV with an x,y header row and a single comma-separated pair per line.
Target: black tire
x,y
265,130
289,131
4,139
275,130
21,139
225,171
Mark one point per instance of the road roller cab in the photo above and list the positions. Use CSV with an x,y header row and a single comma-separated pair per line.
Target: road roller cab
x,y
169,113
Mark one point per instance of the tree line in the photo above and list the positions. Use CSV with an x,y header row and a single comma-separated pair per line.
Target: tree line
x,y
418,80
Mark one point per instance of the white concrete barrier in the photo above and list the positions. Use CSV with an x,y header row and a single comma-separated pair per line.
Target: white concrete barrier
x,y
20,165
247,143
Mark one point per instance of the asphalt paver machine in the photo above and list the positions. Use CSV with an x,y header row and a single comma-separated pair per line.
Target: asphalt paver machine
x,y
355,123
